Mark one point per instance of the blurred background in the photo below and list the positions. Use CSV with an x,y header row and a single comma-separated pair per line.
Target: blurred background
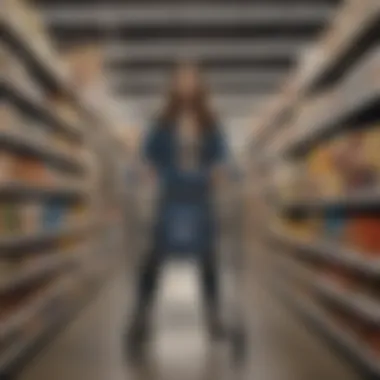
x,y
296,87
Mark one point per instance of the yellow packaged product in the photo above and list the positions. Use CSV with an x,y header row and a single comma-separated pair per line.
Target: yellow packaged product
x,y
323,174
372,147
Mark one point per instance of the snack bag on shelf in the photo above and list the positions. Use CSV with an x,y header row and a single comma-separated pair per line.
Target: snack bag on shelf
x,y
10,218
54,212
352,163
29,170
372,151
306,230
364,235
322,173
334,225
77,212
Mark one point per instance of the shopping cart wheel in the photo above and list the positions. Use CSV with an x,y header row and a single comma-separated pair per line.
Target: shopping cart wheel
x,y
239,345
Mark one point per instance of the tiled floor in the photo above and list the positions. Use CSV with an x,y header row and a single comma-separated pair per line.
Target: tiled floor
x,y
90,349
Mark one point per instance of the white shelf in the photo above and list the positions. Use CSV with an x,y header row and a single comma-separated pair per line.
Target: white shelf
x,y
362,305
360,90
44,151
31,309
359,199
18,242
52,73
333,253
46,62
18,189
38,268
53,119
355,20
341,337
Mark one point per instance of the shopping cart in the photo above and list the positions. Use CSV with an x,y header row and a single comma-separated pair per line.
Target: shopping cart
x,y
229,213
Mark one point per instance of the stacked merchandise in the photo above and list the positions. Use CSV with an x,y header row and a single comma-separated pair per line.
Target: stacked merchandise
x,y
49,190
326,222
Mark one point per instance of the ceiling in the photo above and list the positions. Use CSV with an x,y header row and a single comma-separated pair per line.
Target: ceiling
x,y
246,47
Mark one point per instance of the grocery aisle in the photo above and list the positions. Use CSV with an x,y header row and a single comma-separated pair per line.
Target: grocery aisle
x,y
281,349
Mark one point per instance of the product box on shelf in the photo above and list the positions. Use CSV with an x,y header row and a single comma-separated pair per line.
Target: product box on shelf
x,y
10,218
364,235
31,171
352,162
54,214
371,150
334,225
322,172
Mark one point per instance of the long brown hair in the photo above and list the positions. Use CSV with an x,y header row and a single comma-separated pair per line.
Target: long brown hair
x,y
199,104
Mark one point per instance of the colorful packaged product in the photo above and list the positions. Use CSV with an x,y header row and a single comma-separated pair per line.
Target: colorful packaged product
x,y
10,218
54,213
364,235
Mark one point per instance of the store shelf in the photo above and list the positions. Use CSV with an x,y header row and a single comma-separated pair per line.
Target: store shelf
x,y
46,69
339,338
361,305
351,32
18,189
13,245
332,252
31,147
40,110
44,66
44,265
23,314
356,99
24,350
365,200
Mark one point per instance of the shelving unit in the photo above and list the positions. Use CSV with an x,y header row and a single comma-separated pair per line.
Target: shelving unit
x,y
320,169
330,252
60,176
348,345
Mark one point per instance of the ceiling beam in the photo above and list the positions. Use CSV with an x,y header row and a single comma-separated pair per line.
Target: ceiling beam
x,y
204,49
186,14
153,82
225,105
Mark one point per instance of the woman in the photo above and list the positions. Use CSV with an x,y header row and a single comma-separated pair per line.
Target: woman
x,y
185,152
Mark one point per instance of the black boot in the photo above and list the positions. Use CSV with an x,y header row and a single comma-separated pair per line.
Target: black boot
x,y
215,326
136,339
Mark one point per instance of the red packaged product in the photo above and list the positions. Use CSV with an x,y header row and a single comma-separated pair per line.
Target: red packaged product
x,y
364,235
